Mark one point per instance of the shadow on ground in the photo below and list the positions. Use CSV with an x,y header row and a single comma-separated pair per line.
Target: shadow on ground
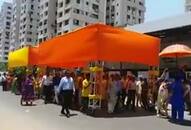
x,y
184,123
123,114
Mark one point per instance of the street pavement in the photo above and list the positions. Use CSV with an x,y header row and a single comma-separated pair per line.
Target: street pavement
x,y
47,117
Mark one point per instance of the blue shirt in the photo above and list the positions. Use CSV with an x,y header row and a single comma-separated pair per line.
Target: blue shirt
x,y
66,84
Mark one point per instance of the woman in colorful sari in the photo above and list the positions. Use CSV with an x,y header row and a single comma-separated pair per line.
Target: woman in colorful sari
x,y
28,90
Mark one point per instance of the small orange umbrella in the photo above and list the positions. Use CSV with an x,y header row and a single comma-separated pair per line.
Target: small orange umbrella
x,y
176,51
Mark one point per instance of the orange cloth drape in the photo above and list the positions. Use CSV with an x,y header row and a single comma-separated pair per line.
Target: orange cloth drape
x,y
100,42
33,55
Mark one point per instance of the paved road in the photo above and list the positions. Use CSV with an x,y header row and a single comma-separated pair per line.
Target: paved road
x,y
47,117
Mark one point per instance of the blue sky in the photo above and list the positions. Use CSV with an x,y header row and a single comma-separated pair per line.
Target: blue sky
x,y
157,9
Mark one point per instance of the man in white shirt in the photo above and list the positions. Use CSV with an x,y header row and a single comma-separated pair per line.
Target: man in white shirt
x,y
66,89
47,84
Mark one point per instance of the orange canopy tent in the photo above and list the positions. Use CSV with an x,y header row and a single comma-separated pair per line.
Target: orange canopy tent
x,y
99,42
26,56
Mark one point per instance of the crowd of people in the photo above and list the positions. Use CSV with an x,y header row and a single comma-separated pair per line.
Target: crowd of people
x,y
119,92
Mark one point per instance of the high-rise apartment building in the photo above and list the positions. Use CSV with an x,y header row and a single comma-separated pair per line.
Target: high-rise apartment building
x,y
15,43
47,24
188,5
29,19
35,21
72,14
125,12
5,30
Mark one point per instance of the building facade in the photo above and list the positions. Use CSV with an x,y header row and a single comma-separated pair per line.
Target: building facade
x,y
15,24
188,6
125,12
72,14
47,23
29,19
35,21
5,30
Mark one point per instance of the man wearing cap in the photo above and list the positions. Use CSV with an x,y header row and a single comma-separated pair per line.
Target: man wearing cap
x,y
66,89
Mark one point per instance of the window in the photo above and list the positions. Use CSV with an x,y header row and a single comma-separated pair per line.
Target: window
x,y
94,16
128,8
29,40
77,11
8,18
29,32
78,1
140,3
95,8
87,3
66,22
6,53
46,4
140,13
140,20
60,14
32,7
67,11
76,22
6,48
66,31
7,27
61,5
40,24
30,26
7,43
60,25
46,13
45,30
8,23
67,2
9,7
128,17
45,22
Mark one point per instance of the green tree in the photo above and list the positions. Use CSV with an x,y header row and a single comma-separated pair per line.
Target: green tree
x,y
3,66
